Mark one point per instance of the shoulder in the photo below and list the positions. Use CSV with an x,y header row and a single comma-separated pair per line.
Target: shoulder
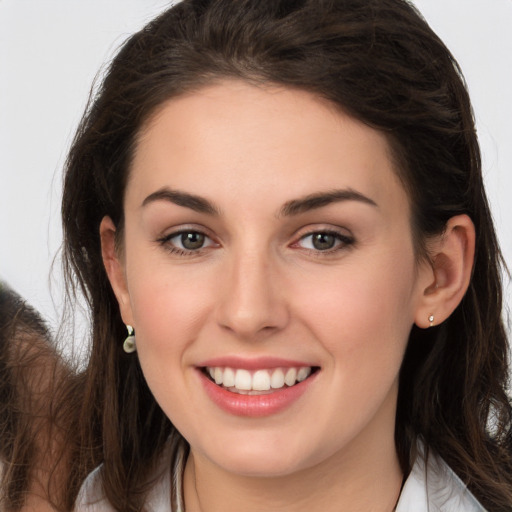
x,y
91,497
433,487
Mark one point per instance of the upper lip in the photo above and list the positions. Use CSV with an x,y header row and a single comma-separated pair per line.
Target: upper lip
x,y
256,363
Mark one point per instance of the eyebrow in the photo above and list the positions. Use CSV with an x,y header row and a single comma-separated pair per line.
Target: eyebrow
x,y
196,203
321,199
290,208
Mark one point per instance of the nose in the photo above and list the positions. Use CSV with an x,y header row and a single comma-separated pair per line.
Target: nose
x,y
252,302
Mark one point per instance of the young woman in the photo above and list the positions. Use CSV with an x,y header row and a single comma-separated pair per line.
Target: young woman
x,y
279,207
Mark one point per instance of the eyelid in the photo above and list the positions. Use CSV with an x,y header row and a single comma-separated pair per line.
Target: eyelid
x,y
171,231
310,229
165,240
343,235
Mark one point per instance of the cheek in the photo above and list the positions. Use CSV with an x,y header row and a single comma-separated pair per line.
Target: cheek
x,y
363,315
168,315
168,311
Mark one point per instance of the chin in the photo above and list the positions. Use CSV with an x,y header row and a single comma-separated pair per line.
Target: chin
x,y
263,465
261,455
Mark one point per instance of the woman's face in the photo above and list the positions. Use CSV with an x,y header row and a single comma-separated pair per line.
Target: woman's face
x,y
268,240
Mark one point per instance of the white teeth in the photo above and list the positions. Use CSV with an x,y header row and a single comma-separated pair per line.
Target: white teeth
x,y
245,381
277,380
261,380
229,378
218,375
303,374
290,377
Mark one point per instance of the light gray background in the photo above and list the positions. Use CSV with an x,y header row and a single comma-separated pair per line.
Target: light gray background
x,y
51,50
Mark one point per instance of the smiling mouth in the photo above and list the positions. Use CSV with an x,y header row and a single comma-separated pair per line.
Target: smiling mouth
x,y
258,382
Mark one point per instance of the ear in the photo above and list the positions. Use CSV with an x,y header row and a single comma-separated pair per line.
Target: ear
x,y
114,267
447,279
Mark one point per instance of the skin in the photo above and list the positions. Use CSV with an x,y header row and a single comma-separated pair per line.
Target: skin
x,y
260,287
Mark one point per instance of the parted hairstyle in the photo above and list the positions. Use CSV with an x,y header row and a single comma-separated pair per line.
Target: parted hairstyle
x,y
378,61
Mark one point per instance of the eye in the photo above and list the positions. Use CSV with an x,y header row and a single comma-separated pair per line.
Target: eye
x,y
324,241
191,240
184,242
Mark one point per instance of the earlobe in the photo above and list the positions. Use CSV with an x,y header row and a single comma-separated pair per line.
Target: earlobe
x,y
114,268
451,256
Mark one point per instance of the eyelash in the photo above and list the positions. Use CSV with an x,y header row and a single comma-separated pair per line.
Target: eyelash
x,y
342,242
166,242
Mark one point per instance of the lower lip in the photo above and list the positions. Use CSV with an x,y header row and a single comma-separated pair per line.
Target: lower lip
x,y
255,405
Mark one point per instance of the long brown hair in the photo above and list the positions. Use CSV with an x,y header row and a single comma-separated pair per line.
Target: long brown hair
x,y
381,63
39,404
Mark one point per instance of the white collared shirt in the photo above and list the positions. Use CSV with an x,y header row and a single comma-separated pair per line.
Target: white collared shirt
x,y
433,487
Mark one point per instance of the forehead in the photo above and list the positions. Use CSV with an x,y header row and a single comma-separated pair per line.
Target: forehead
x,y
232,137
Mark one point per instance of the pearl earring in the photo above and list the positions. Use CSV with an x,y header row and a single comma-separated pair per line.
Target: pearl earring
x,y
431,320
129,342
